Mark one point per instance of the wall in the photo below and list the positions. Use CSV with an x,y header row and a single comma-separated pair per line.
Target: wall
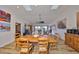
x,y
70,15
8,37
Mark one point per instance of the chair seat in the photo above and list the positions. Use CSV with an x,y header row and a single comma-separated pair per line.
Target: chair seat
x,y
24,50
42,49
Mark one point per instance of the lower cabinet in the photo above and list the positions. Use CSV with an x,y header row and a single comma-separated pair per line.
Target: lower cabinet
x,y
72,40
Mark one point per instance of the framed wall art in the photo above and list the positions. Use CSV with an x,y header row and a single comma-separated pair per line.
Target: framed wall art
x,y
5,19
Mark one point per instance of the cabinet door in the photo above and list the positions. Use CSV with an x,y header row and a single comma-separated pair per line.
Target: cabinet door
x,y
66,38
72,38
77,44
74,42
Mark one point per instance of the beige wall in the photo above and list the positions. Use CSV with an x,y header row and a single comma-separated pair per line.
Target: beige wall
x,y
70,14
8,37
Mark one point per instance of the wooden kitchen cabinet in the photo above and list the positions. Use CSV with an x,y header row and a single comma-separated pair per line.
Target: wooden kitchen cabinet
x,y
72,40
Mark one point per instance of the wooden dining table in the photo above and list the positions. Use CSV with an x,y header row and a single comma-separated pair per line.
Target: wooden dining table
x,y
31,38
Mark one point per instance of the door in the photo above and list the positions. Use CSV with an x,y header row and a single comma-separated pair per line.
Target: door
x,y
77,20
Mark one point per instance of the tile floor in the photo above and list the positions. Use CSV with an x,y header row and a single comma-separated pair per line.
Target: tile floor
x,y
60,49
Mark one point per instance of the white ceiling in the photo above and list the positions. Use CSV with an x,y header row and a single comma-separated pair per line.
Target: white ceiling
x,y
47,14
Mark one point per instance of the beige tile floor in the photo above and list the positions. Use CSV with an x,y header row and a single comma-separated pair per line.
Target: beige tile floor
x,y
60,49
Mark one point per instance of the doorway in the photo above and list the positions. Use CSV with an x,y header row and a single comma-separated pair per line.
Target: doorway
x,y
41,29
17,30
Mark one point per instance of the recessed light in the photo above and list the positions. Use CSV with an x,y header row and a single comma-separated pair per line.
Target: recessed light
x,y
27,8
17,7
35,5
55,7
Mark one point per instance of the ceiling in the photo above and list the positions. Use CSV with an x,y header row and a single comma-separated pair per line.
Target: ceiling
x,y
47,14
